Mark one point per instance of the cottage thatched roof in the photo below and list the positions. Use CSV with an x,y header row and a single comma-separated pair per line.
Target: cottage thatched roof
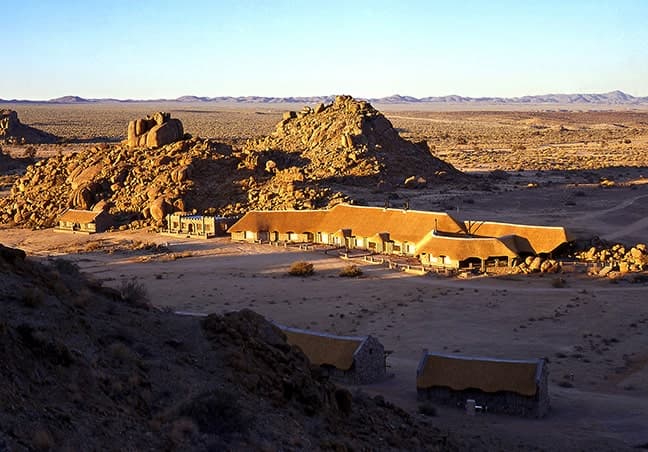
x,y
541,239
436,233
461,248
325,349
298,221
402,225
80,216
485,374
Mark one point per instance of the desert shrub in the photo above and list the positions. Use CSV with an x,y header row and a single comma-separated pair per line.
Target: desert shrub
x,y
82,299
30,152
120,352
558,283
216,412
351,271
301,268
183,429
427,409
42,440
65,266
32,297
133,291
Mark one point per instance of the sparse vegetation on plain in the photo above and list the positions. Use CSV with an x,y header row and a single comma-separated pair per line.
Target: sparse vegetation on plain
x,y
134,292
301,268
351,271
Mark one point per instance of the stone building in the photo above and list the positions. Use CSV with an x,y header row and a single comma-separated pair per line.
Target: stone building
x,y
193,225
86,221
348,359
517,387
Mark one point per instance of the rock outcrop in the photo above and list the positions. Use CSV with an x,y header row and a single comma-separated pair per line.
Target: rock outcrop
x,y
348,141
156,130
617,258
14,132
304,164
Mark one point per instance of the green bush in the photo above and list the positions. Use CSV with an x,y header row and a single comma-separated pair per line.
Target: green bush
x,y
301,268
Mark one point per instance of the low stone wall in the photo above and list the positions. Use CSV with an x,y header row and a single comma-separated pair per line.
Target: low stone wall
x,y
499,402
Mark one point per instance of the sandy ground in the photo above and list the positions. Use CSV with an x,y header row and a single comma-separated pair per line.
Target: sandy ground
x,y
594,332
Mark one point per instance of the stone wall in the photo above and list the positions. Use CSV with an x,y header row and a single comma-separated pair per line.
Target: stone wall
x,y
504,402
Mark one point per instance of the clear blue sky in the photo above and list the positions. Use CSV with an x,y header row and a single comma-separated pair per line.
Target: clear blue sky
x,y
153,49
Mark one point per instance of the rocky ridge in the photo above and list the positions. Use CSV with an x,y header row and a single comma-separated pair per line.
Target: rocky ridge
x,y
87,368
14,132
304,164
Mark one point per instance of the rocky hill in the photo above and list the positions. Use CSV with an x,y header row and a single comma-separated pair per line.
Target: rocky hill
x,y
301,165
349,142
14,132
88,368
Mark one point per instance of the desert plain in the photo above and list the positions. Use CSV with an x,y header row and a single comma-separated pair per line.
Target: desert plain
x,y
544,167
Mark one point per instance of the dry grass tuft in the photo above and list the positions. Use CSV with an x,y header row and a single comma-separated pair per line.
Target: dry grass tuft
x,y
558,283
32,297
351,271
133,292
301,268
42,440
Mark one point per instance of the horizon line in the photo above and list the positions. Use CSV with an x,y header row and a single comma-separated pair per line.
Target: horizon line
x,y
72,98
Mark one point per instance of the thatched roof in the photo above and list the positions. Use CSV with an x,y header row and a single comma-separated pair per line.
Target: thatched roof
x,y
461,248
325,349
436,233
80,216
402,225
541,239
485,374
282,221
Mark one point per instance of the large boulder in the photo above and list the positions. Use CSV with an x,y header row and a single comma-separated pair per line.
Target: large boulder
x,y
154,131
13,131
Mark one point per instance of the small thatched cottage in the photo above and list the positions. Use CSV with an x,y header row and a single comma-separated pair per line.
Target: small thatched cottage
x,y
436,238
517,387
86,221
349,359
192,225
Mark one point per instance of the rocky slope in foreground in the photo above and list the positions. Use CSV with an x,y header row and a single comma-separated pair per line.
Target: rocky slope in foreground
x,y
85,368
302,165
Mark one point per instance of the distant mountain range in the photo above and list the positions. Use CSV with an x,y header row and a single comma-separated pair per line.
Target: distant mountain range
x,y
611,98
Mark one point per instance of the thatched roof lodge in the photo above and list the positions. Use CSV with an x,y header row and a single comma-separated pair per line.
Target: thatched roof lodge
x,y
350,359
85,221
507,386
436,238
